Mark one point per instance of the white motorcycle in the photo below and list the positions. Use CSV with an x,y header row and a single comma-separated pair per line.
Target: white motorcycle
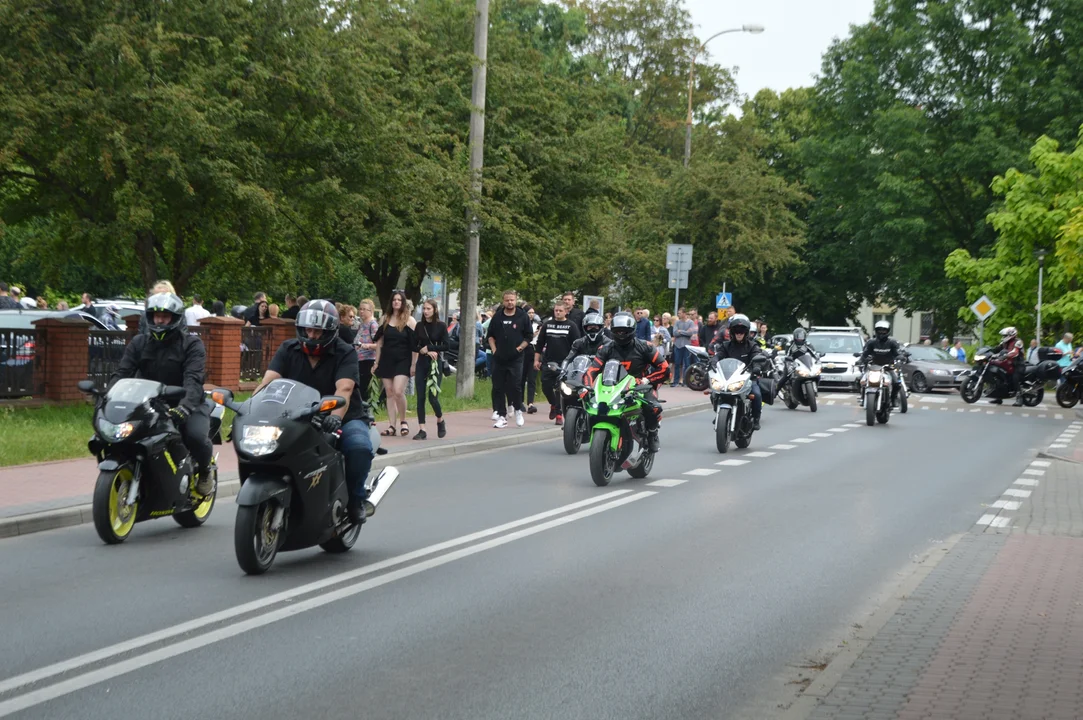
x,y
876,392
731,389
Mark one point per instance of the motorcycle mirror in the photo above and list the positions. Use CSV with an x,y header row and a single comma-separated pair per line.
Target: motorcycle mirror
x,y
331,402
88,387
857,354
222,396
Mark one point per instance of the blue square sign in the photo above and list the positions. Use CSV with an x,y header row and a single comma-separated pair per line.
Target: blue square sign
x,y
723,301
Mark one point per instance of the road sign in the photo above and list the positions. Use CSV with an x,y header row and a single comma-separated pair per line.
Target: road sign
x,y
678,257
983,308
724,300
678,280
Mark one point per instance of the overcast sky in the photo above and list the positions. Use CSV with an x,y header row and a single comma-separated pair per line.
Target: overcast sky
x,y
788,53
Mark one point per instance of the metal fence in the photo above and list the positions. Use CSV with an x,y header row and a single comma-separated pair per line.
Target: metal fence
x,y
104,351
17,372
255,347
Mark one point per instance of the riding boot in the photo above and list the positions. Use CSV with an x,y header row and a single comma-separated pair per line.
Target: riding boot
x,y
204,482
653,443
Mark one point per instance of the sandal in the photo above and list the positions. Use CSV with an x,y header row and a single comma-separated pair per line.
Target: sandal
x,y
390,432
404,428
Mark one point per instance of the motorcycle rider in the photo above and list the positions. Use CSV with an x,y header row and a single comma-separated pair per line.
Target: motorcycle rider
x,y
1010,357
319,358
638,357
554,343
166,353
883,350
800,345
742,347
594,338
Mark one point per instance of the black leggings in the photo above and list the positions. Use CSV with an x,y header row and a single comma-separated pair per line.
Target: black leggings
x,y
421,387
196,434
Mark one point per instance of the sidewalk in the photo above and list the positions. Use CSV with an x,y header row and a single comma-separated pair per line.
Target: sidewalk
x,y
47,495
994,630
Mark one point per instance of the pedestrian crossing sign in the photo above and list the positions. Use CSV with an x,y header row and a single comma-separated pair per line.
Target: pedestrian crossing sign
x,y
724,300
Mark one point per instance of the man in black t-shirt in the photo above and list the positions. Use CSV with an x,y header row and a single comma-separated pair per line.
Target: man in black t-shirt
x,y
572,313
510,331
319,358
554,343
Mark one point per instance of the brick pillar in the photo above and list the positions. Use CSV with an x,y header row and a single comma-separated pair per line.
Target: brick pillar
x,y
223,343
131,321
281,330
61,356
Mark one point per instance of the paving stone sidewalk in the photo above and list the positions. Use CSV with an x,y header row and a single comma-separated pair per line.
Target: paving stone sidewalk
x,y
996,629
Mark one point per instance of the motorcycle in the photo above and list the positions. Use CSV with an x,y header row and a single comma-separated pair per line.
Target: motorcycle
x,y
570,383
1070,390
293,491
144,469
993,381
801,381
876,394
731,399
695,375
618,433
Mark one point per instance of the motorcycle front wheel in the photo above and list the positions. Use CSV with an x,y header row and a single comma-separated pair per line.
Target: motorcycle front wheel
x,y
1034,399
902,401
113,517
810,395
601,458
722,430
695,377
254,541
574,419
970,390
1067,396
870,409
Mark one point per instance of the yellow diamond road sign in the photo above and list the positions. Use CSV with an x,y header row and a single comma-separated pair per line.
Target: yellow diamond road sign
x,y
983,308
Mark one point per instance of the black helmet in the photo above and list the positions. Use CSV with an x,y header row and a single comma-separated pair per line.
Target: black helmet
x,y
882,329
164,303
799,337
623,328
592,326
740,324
321,315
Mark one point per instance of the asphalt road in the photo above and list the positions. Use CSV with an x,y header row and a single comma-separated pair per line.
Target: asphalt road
x,y
632,601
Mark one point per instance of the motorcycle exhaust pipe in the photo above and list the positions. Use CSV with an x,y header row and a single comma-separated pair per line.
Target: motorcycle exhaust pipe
x,y
378,488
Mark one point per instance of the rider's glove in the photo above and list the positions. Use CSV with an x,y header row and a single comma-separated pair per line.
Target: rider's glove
x,y
179,413
330,423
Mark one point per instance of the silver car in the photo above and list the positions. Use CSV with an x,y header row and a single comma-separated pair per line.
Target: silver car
x,y
838,350
930,368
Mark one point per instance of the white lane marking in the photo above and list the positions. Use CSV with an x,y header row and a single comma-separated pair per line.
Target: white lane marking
x,y
988,412
1041,416
1031,471
976,410
830,402
1058,446
926,407
1071,430
1040,463
759,454
1000,521
926,398
1008,413
943,409
733,463
783,446
1058,416
838,430
1026,414
192,625
1026,481
1007,504
803,441
101,674
702,472
667,482
986,519
819,435
960,410
838,397
851,425
1013,492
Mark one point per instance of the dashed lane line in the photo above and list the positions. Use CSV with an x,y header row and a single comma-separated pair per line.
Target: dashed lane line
x,y
1026,481
1040,463
819,435
759,454
1032,471
730,463
783,446
1013,492
838,430
1005,504
803,441
667,482
702,472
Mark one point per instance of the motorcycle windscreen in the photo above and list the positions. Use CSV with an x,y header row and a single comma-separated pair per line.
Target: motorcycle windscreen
x,y
805,360
730,367
281,396
580,365
126,397
613,373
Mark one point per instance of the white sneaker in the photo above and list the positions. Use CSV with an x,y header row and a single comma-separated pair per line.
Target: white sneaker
x,y
501,422
519,418
495,415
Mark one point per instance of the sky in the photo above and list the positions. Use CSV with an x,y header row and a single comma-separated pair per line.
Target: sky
x,y
788,53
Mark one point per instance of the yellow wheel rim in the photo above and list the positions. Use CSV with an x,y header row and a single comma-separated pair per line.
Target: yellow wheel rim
x,y
204,508
121,515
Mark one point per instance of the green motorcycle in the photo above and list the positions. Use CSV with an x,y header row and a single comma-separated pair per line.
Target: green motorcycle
x,y
617,428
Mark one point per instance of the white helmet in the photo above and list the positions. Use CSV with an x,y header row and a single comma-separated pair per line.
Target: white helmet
x,y
1009,332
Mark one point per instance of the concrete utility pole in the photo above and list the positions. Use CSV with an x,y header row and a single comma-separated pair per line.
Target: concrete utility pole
x,y
1040,253
464,376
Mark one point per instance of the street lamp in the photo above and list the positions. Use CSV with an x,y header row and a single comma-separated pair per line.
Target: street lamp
x,y
1040,253
755,30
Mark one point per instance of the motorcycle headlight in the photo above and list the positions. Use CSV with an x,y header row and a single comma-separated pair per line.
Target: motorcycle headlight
x,y
979,358
565,388
260,439
736,385
816,371
110,431
802,372
716,384
874,377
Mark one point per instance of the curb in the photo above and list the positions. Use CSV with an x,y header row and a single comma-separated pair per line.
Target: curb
x,y
229,484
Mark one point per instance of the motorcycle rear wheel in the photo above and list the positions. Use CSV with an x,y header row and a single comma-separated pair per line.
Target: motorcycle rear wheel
x,y
254,543
343,542
695,378
721,430
199,513
1034,399
601,458
643,465
791,403
1067,396
573,430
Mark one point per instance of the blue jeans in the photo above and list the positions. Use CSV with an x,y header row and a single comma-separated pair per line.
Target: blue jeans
x,y
757,400
356,447
680,363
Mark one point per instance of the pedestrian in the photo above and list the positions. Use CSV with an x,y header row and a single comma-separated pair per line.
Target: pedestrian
x,y
41,303
1032,353
529,382
708,330
195,313
643,325
573,314
396,359
292,308
554,343
347,328
432,339
1065,346
252,314
6,301
683,331
273,310
958,352
366,344
510,331
62,305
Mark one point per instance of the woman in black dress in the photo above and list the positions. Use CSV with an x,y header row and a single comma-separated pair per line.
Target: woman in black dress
x,y
432,340
396,360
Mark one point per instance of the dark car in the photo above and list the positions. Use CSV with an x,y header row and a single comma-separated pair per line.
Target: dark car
x,y
930,368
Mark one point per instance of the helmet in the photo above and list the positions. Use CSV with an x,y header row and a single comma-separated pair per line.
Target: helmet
x,y
623,328
321,315
799,337
1009,333
740,324
164,303
592,326
882,329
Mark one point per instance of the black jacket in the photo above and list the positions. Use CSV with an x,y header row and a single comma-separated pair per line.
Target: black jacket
x,y
180,360
432,336
881,352
796,351
637,358
556,338
583,346
743,351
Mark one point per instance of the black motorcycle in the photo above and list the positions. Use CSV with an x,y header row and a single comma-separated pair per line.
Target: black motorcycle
x,y
144,469
1070,390
994,382
800,382
695,375
293,478
570,382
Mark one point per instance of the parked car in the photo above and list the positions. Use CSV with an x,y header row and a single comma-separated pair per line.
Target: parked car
x,y
929,368
839,348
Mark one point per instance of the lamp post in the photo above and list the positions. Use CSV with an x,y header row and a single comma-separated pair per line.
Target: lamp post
x,y
755,30
1040,253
